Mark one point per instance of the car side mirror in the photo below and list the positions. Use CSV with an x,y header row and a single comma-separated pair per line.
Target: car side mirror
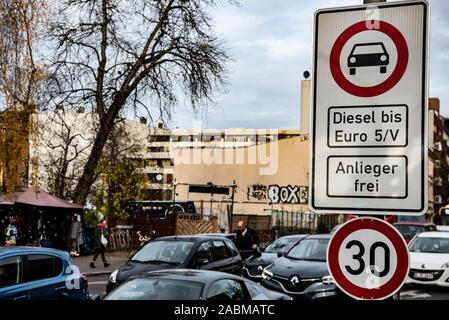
x,y
281,254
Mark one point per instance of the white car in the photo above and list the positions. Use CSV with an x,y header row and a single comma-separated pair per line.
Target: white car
x,y
429,259
443,228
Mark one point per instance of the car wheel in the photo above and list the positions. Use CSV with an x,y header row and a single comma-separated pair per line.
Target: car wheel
x,y
383,69
352,71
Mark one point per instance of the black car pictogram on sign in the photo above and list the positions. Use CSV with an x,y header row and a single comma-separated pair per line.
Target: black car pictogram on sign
x,y
368,55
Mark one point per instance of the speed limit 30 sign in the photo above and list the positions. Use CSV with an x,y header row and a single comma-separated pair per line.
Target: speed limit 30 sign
x,y
368,259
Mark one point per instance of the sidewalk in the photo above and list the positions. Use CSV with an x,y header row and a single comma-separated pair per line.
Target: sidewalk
x,y
114,258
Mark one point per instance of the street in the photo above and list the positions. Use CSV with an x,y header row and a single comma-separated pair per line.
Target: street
x,y
97,284
424,293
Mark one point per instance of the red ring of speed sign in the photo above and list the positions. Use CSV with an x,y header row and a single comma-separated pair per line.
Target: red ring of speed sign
x,y
391,81
335,269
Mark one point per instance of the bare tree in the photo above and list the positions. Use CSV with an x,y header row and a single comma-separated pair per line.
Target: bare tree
x,y
66,138
132,55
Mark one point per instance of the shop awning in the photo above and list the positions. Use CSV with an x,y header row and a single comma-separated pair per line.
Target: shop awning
x,y
41,199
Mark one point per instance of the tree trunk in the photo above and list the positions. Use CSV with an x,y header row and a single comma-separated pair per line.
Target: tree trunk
x,y
87,179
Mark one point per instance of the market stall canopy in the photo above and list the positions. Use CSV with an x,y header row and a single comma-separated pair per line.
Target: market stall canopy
x,y
41,199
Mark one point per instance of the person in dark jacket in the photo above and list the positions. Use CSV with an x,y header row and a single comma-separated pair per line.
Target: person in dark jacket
x,y
100,234
247,241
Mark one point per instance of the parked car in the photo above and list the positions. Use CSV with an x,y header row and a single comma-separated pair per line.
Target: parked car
x,y
410,229
230,236
429,259
187,284
28,273
191,252
302,273
443,228
254,266
405,218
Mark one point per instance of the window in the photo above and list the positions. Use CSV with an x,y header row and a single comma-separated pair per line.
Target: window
x,y
255,290
204,252
225,289
164,251
164,138
309,249
220,251
281,245
10,271
231,248
43,267
157,289
156,149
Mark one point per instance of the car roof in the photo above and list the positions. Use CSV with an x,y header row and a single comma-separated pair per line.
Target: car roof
x,y
318,236
25,249
413,223
195,237
187,274
434,234
217,234
293,236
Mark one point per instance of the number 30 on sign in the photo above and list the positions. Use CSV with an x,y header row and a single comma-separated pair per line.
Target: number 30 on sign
x,y
368,259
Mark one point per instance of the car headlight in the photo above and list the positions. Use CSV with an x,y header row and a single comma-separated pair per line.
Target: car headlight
x,y
327,280
259,269
352,59
267,275
113,276
445,266
383,58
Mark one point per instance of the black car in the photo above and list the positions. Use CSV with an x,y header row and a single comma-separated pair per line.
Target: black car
x,y
367,55
302,273
253,266
187,284
191,252
227,235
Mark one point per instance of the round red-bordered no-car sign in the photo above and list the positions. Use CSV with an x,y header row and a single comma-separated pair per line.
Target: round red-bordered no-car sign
x,y
391,81
392,239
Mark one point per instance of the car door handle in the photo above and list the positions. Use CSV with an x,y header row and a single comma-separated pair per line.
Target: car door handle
x,y
60,288
21,297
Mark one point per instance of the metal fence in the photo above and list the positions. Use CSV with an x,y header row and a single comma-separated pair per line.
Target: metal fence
x,y
287,222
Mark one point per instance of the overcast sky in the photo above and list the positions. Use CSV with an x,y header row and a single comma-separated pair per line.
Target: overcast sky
x,y
270,42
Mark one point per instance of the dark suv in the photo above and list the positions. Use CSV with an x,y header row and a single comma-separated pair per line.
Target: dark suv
x,y
302,273
188,252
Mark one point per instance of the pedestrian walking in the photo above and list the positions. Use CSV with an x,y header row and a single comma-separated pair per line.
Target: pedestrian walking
x,y
100,243
247,241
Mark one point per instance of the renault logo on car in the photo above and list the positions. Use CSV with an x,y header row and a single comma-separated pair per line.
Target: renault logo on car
x,y
294,280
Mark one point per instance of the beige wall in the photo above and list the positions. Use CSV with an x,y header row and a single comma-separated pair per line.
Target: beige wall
x,y
305,106
287,160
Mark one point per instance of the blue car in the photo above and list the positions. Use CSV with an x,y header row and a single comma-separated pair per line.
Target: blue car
x,y
28,273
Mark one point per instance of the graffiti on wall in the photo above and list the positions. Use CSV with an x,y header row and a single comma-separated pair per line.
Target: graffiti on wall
x,y
288,194
278,194
257,192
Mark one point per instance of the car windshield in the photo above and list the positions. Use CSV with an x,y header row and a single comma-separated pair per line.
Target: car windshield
x,y
157,289
281,245
409,231
172,252
368,49
430,245
309,249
